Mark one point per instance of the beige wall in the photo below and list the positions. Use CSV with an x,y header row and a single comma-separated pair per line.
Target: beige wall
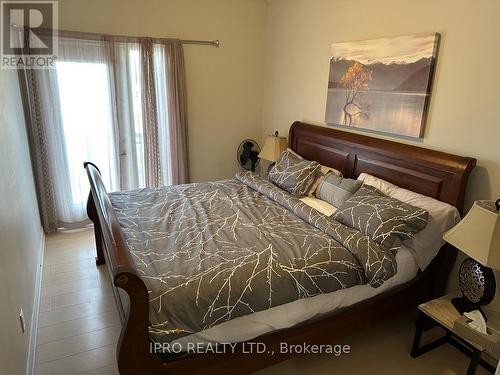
x,y
20,230
224,84
464,115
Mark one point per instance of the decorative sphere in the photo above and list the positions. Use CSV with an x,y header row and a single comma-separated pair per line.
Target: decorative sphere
x,y
477,282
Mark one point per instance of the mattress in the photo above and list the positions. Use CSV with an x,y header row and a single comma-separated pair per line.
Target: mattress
x,y
290,314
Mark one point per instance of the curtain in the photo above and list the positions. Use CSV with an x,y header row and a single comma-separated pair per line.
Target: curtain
x,y
116,101
176,94
171,108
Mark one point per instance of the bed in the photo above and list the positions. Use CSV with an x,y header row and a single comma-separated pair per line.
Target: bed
x,y
320,319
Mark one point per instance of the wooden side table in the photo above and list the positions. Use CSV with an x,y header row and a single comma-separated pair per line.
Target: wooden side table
x,y
441,313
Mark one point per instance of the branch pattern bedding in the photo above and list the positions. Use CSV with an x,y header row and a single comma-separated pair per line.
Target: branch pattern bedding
x,y
211,252
280,317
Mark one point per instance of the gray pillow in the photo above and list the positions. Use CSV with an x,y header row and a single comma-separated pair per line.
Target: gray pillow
x,y
293,174
386,220
336,190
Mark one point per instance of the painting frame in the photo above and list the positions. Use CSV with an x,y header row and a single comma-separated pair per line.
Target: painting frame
x,y
382,85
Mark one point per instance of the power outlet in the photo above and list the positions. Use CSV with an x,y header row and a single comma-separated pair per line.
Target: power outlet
x,y
22,321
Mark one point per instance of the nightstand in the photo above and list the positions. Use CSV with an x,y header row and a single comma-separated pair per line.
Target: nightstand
x,y
441,313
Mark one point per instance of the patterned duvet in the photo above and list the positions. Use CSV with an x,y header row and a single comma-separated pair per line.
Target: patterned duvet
x,y
211,252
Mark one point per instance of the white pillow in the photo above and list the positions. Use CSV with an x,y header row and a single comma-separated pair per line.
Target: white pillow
x,y
442,217
318,204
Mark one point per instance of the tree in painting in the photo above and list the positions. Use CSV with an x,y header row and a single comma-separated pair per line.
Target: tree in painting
x,y
355,80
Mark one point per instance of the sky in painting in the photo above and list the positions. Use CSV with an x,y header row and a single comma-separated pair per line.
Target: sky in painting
x,y
408,49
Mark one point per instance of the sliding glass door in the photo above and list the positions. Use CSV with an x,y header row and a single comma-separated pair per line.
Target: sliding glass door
x,y
86,110
107,101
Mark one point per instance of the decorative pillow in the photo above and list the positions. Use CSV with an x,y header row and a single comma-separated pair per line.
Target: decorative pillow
x,y
424,245
320,173
320,176
336,190
387,220
293,174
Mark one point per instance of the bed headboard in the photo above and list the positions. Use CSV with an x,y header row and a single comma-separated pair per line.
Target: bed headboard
x,y
436,174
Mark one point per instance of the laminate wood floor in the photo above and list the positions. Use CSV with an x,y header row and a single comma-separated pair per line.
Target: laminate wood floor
x,y
79,326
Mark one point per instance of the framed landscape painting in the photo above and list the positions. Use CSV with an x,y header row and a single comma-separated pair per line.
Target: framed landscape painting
x,y
382,84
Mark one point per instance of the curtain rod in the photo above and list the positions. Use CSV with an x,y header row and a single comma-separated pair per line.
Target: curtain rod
x,y
213,43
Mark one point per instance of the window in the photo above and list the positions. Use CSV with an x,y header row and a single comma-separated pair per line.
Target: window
x,y
86,112
96,105
85,96
135,76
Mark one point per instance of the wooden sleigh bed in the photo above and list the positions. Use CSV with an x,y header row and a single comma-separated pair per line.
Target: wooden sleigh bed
x,y
435,174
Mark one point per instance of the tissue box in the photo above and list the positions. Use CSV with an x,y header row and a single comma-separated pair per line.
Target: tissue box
x,y
489,342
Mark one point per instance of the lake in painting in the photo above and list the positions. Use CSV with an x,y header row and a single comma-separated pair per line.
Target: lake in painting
x,y
382,84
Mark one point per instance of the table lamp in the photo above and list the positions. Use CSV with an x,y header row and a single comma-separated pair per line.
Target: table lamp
x,y
273,147
478,236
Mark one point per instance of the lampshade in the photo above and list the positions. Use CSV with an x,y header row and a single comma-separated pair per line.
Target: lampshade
x,y
273,148
478,234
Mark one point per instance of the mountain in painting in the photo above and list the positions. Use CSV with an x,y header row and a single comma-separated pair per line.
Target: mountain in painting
x,y
395,76
417,82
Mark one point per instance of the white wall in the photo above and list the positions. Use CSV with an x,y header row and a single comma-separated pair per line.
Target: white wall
x,y
224,85
20,230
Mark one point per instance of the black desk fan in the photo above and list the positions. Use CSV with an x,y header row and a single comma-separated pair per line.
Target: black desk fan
x,y
248,155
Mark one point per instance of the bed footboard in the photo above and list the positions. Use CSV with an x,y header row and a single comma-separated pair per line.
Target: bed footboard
x,y
99,244
112,250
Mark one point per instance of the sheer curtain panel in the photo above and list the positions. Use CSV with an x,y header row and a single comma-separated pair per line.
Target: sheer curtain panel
x,y
116,101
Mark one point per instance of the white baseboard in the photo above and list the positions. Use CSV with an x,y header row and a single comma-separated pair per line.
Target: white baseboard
x,y
30,368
